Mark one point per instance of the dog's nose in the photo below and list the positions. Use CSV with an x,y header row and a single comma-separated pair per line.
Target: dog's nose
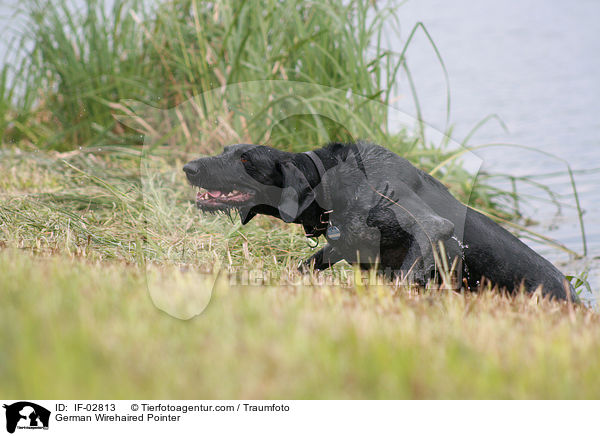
x,y
190,168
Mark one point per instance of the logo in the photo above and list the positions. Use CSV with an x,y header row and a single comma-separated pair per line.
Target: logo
x,y
26,415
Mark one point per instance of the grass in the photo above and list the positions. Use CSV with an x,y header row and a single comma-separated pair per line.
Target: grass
x,y
88,256
94,204
88,59
90,245
81,329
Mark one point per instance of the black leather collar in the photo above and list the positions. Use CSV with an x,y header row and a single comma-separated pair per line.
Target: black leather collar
x,y
327,204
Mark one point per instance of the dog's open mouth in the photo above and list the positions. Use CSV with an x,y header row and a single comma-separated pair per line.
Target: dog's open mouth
x,y
214,199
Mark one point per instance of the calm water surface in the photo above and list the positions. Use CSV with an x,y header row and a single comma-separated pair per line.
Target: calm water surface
x,y
535,63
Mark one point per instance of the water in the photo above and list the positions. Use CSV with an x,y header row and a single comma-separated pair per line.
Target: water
x,y
535,63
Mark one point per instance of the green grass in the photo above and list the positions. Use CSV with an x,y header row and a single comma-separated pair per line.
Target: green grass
x,y
80,329
86,60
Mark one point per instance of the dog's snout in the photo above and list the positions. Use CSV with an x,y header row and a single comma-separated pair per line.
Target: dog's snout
x,y
191,168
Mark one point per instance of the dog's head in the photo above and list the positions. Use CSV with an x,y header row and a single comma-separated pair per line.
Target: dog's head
x,y
251,179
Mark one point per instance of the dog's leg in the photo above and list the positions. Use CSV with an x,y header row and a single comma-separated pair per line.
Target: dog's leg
x,y
322,259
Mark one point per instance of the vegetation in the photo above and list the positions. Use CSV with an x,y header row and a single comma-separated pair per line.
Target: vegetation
x,y
88,60
76,328
95,218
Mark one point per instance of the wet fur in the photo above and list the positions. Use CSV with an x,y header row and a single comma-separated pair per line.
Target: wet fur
x,y
389,212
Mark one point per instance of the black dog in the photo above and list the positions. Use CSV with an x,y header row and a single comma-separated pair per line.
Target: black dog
x,y
374,208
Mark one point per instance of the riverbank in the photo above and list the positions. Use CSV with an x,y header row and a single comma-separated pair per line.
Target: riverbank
x,y
82,311
77,328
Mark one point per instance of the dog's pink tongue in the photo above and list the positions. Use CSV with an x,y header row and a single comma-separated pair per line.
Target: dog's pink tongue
x,y
214,194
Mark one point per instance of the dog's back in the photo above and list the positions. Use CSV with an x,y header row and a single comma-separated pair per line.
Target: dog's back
x,y
496,254
489,250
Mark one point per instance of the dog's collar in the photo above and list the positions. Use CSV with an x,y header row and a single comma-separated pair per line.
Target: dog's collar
x,y
324,220
321,170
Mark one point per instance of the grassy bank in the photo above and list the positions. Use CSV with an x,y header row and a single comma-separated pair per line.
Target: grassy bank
x,y
74,328
78,318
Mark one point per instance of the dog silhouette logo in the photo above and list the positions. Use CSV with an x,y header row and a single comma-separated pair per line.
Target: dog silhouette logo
x,y
26,415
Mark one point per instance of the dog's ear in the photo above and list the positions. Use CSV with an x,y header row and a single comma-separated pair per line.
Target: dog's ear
x,y
246,215
297,194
